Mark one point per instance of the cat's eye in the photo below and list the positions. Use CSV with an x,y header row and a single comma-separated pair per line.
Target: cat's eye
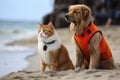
x,y
43,31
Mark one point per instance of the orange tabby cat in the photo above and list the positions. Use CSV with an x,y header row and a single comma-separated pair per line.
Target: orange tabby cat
x,y
53,53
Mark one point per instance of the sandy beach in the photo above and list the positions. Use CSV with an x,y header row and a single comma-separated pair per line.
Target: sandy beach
x,y
32,71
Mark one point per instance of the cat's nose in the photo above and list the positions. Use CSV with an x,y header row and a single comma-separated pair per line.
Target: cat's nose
x,y
40,34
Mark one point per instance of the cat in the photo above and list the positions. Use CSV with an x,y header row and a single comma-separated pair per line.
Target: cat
x,y
52,52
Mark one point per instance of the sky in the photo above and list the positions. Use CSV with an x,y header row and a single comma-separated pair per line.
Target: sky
x,y
25,10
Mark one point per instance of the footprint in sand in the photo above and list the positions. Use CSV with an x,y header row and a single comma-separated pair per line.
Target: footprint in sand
x,y
92,71
114,75
97,75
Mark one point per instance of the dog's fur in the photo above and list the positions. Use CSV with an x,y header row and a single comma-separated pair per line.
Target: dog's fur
x,y
80,17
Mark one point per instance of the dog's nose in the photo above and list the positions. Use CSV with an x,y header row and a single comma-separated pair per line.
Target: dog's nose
x,y
67,17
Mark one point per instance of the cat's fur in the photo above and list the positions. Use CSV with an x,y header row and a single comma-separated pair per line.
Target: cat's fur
x,y
55,56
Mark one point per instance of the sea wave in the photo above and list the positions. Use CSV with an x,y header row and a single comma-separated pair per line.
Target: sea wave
x,y
12,58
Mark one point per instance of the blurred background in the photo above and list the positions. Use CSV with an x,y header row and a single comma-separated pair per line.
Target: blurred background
x,y
105,12
19,19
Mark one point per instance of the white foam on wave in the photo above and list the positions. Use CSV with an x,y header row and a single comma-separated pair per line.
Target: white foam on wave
x,y
12,59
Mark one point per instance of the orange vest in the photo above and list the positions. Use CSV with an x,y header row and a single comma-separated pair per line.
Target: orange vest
x,y
83,41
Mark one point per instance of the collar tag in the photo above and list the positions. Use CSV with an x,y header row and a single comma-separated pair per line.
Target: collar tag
x,y
45,47
47,43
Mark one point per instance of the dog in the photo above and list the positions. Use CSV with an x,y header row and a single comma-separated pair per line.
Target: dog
x,y
92,50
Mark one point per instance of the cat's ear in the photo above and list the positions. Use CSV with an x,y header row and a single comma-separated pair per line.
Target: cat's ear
x,y
51,24
39,25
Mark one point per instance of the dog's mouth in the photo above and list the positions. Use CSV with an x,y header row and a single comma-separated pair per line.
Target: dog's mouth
x,y
67,18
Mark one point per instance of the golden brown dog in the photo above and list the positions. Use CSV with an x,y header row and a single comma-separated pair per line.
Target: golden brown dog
x,y
92,50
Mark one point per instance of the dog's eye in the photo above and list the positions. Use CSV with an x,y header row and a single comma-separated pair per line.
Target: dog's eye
x,y
76,12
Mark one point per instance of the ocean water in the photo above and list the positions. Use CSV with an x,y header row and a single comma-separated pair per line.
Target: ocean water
x,y
10,31
13,58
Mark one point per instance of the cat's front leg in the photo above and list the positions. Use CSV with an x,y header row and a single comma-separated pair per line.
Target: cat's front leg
x,y
53,67
42,66
53,60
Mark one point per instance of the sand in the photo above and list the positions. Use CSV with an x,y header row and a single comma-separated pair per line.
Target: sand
x,y
32,72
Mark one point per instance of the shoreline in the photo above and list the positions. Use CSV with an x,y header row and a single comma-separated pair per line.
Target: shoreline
x,y
18,51
34,62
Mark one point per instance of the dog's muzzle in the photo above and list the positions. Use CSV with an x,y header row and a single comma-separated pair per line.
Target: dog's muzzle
x,y
67,18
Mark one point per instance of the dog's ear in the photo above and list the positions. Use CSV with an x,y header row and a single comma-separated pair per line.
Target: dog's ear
x,y
86,12
50,24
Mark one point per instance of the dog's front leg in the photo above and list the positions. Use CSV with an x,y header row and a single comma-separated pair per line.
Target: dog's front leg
x,y
94,51
79,57
94,58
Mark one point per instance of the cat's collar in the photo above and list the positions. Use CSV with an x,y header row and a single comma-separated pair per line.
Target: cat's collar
x,y
45,46
51,42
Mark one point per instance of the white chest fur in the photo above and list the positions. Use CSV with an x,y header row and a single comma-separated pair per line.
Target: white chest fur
x,y
50,47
